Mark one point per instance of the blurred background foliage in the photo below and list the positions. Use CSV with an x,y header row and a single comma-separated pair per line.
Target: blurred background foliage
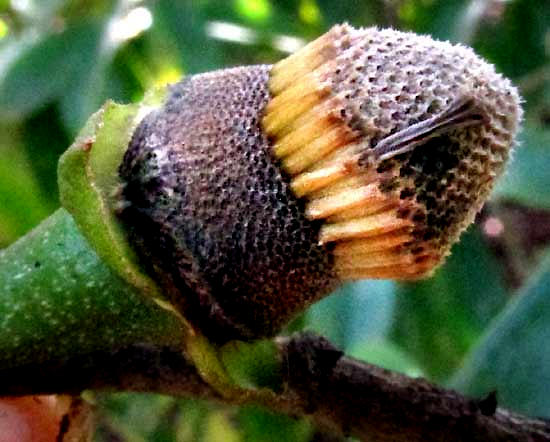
x,y
481,324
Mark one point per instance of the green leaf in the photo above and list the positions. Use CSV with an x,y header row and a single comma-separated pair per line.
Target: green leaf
x,y
44,140
513,357
87,92
220,425
254,10
90,87
526,180
47,69
386,354
181,24
364,13
356,312
22,205
439,18
439,319
252,365
263,426
516,44
139,417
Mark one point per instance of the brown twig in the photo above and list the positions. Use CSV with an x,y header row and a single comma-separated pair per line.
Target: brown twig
x,y
378,405
335,391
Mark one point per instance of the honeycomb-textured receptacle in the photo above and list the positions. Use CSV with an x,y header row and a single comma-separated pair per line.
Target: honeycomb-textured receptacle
x,y
253,191
394,140
212,214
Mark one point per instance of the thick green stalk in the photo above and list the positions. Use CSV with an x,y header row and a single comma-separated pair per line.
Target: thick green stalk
x,y
58,299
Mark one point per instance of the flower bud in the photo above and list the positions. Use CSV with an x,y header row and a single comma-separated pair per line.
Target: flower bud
x,y
254,191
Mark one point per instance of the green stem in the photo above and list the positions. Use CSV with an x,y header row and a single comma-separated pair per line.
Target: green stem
x,y
59,300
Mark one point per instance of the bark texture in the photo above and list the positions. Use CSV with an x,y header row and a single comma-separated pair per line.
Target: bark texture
x,y
319,382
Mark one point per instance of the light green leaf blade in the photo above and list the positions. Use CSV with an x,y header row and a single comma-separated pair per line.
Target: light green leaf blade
x,y
386,354
438,320
513,357
259,425
527,180
22,204
355,313
44,70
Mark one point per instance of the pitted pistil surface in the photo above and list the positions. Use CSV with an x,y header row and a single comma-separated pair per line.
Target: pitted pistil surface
x,y
209,205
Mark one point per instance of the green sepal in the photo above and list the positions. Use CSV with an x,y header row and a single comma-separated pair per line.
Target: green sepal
x,y
89,184
240,371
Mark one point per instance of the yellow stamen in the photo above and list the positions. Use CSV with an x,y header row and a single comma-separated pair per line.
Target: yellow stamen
x,y
316,149
369,245
364,227
296,139
310,182
305,60
371,208
280,116
348,199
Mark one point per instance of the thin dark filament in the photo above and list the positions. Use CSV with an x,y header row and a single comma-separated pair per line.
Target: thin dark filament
x,y
462,113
